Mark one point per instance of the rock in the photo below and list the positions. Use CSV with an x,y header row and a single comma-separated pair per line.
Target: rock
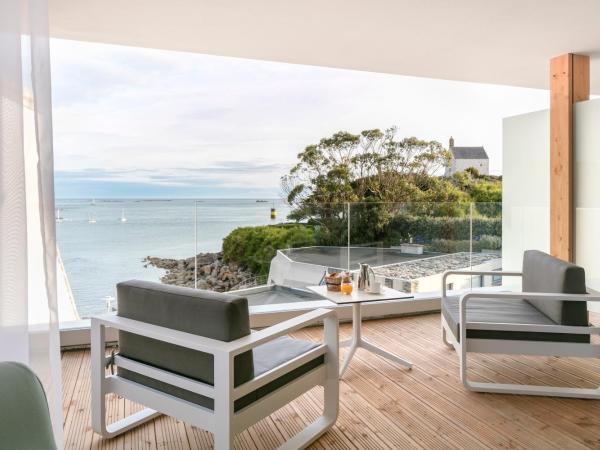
x,y
213,272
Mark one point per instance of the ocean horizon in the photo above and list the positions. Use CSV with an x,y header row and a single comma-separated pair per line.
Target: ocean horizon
x,y
105,241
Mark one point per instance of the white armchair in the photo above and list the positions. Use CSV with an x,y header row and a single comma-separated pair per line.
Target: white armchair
x,y
283,368
549,318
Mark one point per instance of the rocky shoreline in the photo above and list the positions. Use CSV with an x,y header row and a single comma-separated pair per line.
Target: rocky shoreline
x,y
213,273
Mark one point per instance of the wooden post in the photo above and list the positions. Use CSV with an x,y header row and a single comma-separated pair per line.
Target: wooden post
x,y
569,83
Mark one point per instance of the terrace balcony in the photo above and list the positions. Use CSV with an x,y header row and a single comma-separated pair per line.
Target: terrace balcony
x,y
550,203
447,236
383,406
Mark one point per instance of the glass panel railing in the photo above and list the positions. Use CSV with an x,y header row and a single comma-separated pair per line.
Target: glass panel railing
x,y
104,242
266,245
415,242
268,252
409,245
486,243
329,227
299,263
236,240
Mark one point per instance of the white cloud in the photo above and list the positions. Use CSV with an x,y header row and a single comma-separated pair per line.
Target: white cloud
x,y
151,116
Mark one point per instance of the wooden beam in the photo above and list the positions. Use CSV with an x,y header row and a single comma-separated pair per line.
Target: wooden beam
x,y
581,78
569,83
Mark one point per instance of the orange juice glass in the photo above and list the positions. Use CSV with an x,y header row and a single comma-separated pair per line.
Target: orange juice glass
x,y
346,286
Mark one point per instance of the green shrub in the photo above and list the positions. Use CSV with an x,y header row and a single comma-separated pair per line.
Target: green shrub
x,y
255,247
427,228
454,246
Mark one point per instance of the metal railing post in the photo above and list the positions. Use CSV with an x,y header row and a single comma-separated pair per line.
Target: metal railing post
x,y
348,238
195,244
471,241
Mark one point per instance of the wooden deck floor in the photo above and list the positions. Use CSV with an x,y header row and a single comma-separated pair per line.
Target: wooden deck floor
x,y
384,406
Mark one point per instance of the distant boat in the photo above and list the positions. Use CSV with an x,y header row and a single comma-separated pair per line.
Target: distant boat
x,y
123,218
59,218
262,201
93,202
91,219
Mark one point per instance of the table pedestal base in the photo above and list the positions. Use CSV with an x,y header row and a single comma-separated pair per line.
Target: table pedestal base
x,y
357,341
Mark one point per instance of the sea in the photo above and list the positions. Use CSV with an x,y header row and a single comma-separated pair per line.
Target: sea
x,y
104,241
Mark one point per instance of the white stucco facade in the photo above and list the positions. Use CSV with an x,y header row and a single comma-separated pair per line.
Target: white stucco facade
x,y
458,165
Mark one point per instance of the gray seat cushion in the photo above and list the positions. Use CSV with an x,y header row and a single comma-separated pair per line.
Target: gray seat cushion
x,y
503,311
272,354
266,357
204,313
544,273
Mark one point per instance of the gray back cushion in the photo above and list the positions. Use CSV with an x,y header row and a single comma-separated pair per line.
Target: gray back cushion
x,y
204,313
544,273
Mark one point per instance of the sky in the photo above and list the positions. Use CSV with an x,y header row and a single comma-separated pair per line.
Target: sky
x,y
146,123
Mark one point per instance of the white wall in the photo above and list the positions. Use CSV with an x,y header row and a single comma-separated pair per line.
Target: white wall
x,y
525,186
587,189
482,165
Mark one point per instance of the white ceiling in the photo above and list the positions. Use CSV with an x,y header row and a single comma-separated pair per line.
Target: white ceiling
x,y
490,41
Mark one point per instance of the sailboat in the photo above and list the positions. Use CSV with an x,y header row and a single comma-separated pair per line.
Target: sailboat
x,y
93,202
123,218
91,219
58,216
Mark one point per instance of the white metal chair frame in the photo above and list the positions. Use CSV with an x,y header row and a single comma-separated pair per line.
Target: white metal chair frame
x,y
517,347
223,421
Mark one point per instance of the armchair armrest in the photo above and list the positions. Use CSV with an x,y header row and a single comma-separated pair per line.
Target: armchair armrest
x,y
268,334
329,347
475,272
180,338
533,295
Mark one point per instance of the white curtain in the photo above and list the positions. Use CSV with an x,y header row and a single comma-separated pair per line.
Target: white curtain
x,y
28,303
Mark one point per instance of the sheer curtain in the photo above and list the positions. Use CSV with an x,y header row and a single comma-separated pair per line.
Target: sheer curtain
x,y
28,304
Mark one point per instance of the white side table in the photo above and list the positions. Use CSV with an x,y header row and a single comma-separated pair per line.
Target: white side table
x,y
356,299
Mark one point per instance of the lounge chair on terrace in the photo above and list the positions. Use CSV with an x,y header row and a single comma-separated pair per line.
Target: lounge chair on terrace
x,y
549,318
190,354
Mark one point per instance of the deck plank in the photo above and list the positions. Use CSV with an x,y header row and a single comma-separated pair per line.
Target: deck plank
x,y
71,365
383,405
534,412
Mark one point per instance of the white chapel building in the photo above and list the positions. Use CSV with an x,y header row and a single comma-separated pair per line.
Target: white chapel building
x,y
465,157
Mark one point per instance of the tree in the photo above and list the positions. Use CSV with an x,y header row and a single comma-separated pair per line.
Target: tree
x,y
374,170
383,177
484,190
370,166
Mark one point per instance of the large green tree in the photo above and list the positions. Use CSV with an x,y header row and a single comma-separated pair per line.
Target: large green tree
x,y
379,173
383,176
373,165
